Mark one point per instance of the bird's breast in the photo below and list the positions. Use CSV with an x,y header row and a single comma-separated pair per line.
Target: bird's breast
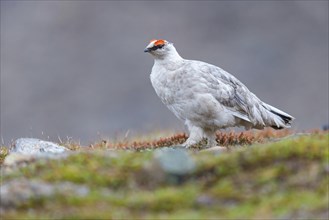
x,y
166,85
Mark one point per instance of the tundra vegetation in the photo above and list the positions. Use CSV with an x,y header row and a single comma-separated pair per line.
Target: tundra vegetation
x,y
263,174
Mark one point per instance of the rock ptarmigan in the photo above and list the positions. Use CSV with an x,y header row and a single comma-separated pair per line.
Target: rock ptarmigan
x,y
206,97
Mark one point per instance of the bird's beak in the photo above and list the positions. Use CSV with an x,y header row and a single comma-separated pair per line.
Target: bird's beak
x,y
146,50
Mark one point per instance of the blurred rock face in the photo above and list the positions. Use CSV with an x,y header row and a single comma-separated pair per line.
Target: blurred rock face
x,y
77,69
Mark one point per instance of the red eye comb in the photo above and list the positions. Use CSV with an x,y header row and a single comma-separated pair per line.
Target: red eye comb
x,y
159,42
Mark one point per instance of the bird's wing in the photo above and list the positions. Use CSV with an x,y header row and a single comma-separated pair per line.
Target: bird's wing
x,y
229,91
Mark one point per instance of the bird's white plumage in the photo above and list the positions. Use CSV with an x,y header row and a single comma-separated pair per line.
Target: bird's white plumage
x,y
207,97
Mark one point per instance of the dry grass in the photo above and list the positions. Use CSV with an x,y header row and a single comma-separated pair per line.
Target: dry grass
x,y
231,138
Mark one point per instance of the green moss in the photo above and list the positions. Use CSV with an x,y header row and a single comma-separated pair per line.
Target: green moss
x,y
164,199
91,168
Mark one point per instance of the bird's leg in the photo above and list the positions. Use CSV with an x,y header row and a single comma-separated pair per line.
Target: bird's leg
x,y
196,135
212,143
211,138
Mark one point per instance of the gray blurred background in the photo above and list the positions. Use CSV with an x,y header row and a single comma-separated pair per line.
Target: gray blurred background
x,y
77,68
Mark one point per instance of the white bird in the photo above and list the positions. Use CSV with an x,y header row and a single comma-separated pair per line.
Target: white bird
x,y
206,97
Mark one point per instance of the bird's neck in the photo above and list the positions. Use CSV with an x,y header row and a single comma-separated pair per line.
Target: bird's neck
x,y
171,59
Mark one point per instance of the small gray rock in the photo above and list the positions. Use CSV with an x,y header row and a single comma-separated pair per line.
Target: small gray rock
x,y
205,200
174,161
36,146
169,165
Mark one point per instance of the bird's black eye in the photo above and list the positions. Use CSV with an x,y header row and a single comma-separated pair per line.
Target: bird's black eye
x,y
155,47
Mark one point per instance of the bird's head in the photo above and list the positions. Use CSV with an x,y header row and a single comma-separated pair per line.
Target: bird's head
x,y
160,48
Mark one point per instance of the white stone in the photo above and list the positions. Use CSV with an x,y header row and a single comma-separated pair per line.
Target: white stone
x,y
36,146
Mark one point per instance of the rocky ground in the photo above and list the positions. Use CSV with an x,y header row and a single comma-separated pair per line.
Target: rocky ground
x,y
256,175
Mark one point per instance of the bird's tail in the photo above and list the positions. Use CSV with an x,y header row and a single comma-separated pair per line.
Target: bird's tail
x,y
278,119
